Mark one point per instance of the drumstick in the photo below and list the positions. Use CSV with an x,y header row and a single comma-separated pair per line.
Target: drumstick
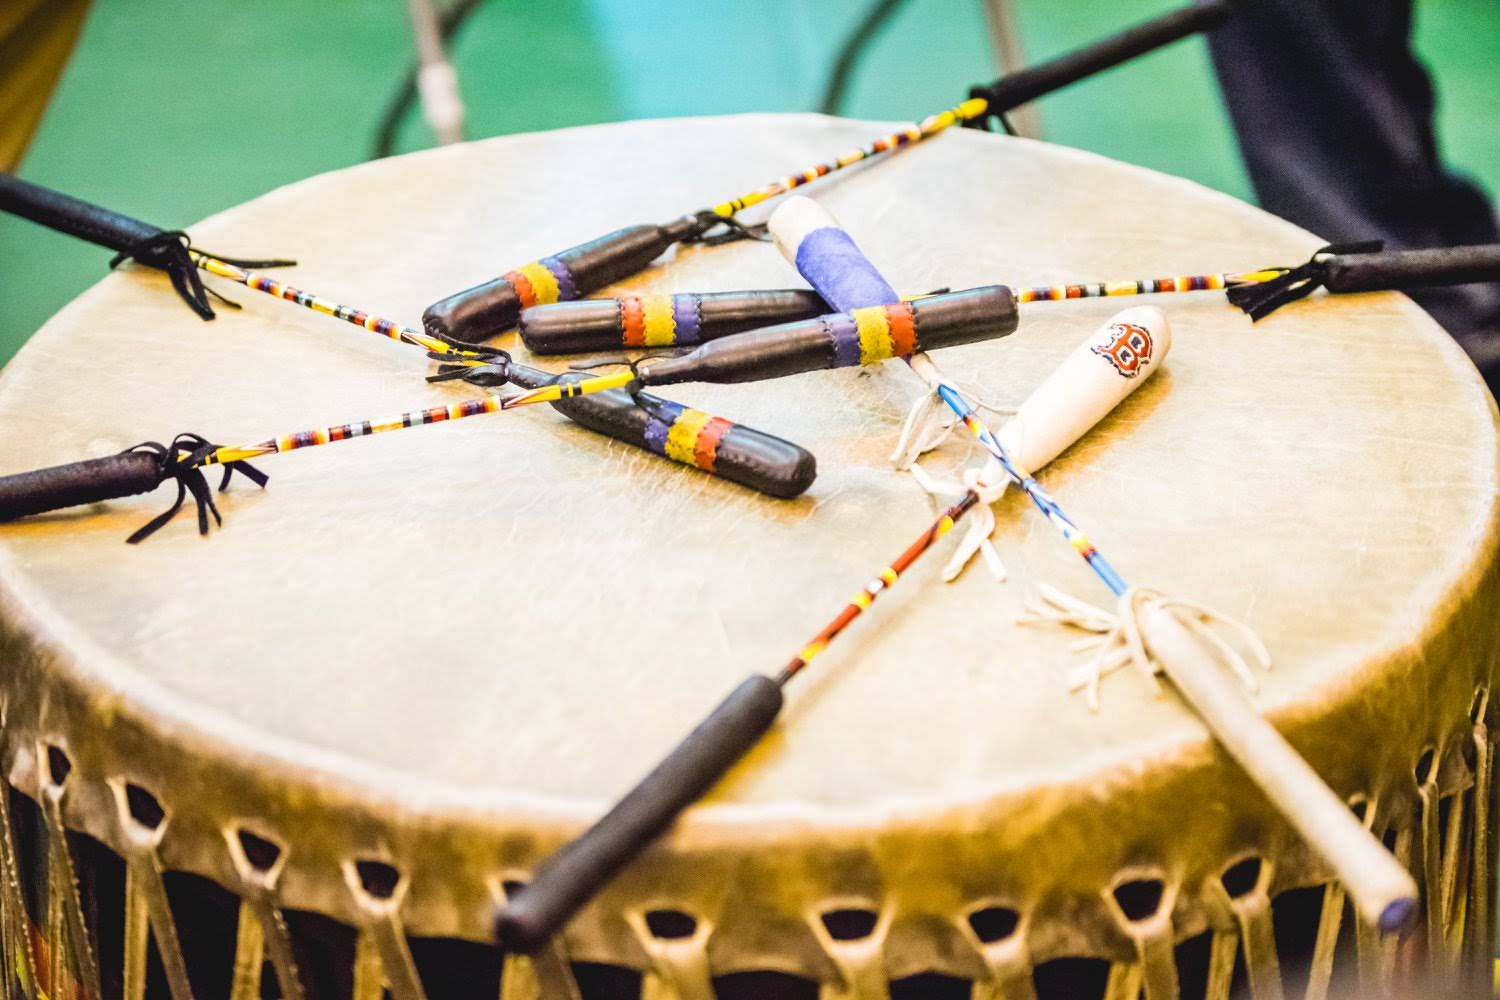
x,y
687,319
691,437
563,883
838,340
494,306
1384,892
861,336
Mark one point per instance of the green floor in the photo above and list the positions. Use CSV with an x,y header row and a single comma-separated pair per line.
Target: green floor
x,y
173,109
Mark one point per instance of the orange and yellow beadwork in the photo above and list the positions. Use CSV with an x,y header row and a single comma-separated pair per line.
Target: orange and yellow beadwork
x,y
542,282
928,127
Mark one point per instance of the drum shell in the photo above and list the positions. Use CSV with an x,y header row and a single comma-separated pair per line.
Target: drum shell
x,y
602,325
757,878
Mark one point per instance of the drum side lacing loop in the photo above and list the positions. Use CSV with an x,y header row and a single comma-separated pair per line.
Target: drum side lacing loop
x,y
1244,891
148,912
378,890
1142,907
999,934
261,928
679,965
1477,929
857,952
66,929
19,963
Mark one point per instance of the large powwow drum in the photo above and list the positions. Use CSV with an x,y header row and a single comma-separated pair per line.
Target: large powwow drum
x,y
311,755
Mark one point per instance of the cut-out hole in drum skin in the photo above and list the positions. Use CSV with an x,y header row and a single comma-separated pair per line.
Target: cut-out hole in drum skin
x,y
994,924
144,807
1139,899
377,878
451,969
671,925
1295,915
59,766
1070,979
850,924
763,986
261,853
931,986
1241,878
1423,769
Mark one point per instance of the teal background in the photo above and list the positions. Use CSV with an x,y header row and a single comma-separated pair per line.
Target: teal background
x,y
174,109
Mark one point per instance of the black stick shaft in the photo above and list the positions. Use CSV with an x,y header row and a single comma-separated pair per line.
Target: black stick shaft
x,y
1028,84
1372,272
572,876
93,481
73,216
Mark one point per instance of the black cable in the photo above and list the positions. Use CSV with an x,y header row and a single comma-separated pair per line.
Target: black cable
x,y
449,22
853,48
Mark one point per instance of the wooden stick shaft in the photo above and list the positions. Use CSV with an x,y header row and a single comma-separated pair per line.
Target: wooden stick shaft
x,y
1383,891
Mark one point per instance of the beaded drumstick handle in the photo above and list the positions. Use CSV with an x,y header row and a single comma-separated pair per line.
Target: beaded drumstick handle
x,y
687,319
837,340
862,336
1382,889
692,437
859,337
494,306
571,877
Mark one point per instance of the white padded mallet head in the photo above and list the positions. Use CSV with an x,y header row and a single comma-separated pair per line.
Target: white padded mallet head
x,y
1101,371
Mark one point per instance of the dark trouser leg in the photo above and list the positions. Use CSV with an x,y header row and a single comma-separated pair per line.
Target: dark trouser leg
x,y
1334,117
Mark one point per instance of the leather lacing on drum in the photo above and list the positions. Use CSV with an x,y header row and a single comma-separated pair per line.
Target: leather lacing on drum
x,y
928,424
1438,825
1116,641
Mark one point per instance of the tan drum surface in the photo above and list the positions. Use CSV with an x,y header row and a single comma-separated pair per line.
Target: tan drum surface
x,y
451,648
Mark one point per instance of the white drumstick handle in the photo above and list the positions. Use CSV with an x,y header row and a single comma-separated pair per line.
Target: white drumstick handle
x,y
1103,370
1383,891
